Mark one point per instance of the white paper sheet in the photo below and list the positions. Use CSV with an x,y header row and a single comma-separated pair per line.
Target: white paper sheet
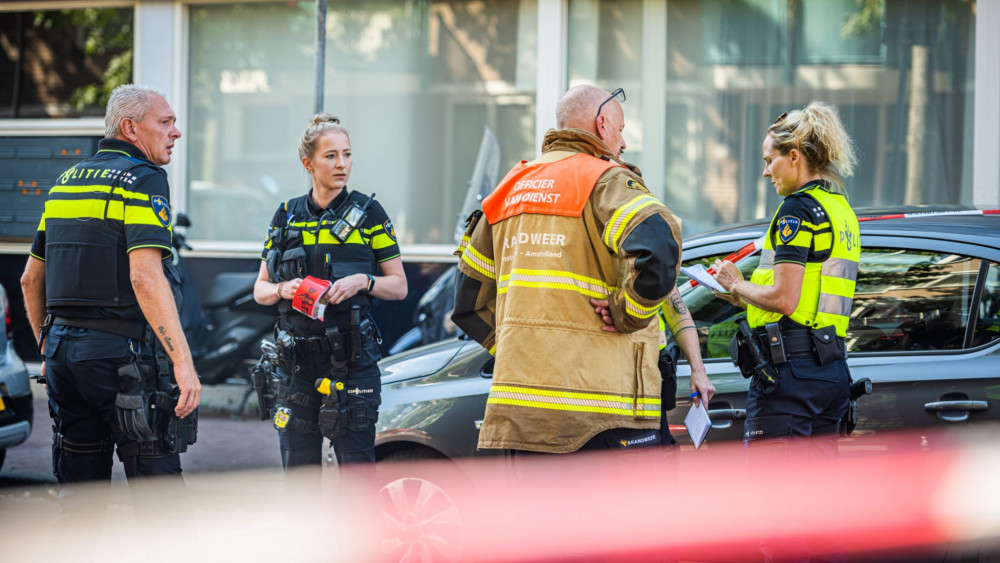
x,y
699,274
698,424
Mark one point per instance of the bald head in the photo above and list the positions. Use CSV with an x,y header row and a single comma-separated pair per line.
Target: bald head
x,y
578,107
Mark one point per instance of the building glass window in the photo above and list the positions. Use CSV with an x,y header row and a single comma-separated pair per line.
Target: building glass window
x,y
63,63
415,83
900,73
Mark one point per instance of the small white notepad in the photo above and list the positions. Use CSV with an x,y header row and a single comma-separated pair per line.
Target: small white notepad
x,y
697,424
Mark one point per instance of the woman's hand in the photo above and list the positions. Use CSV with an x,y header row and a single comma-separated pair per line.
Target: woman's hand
x,y
727,274
345,288
287,289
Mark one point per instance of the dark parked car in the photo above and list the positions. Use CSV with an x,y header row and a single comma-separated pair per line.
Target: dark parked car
x,y
16,407
925,329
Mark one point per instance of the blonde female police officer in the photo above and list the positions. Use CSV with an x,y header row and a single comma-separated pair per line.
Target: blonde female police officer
x,y
346,238
805,281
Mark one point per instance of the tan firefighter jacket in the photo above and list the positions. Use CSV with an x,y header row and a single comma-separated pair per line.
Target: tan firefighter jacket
x,y
551,238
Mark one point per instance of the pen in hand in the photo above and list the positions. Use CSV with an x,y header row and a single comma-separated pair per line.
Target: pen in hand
x,y
695,397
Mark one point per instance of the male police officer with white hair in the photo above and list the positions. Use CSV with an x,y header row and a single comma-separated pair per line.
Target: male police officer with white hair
x,y
101,305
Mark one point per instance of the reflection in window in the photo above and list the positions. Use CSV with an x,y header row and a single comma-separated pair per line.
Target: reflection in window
x,y
988,321
63,63
900,73
415,83
911,300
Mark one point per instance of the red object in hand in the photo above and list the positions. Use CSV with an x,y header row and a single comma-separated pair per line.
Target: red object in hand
x,y
306,298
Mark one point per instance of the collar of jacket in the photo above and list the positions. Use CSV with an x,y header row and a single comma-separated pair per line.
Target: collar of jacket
x,y
577,141
118,145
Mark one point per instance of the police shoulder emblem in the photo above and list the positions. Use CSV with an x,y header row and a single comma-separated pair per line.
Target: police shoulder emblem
x,y
788,227
389,230
161,208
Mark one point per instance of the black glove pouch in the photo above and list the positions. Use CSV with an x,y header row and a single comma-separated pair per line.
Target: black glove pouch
x,y
333,413
132,412
829,348
668,373
740,355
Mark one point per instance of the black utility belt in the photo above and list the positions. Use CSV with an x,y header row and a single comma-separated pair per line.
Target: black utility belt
x,y
336,341
782,343
133,330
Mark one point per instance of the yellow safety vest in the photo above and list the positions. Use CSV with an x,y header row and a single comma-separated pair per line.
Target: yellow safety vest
x,y
828,286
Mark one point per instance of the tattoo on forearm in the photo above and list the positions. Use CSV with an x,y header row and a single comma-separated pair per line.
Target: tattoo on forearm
x,y
166,339
678,304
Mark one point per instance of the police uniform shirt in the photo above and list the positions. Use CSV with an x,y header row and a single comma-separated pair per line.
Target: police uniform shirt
x,y
119,193
376,232
796,225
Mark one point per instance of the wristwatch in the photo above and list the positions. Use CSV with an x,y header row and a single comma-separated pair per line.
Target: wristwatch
x,y
371,283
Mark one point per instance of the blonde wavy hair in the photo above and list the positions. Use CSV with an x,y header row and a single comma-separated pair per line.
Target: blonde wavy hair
x,y
820,136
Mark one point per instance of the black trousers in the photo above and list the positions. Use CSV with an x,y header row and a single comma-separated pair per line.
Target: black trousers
x,y
302,445
81,379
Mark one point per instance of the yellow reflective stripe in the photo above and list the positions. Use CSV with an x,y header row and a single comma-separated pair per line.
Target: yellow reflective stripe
x,y
822,241
574,401
639,310
462,245
99,189
819,227
620,219
84,209
479,263
837,286
554,279
381,240
493,350
94,209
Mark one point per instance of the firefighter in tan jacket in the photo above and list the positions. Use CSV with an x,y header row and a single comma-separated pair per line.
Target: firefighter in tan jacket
x,y
569,234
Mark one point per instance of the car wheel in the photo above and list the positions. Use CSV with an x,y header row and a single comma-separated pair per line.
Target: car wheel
x,y
421,520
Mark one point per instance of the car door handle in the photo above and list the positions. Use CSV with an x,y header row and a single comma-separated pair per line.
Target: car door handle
x,y
727,414
723,418
955,411
939,406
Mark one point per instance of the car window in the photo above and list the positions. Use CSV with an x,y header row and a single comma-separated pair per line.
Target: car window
x,y
988,321
911,300
904,300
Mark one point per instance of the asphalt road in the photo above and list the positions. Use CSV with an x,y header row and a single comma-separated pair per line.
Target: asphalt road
x,y
224,444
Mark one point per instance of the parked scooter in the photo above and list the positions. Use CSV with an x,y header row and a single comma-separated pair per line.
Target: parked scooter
x,y
432,316
223,331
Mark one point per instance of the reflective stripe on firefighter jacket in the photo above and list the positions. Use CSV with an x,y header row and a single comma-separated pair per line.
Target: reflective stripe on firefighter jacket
x,y
828,286
551,240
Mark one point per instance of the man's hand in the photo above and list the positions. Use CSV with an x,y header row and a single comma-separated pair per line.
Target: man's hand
x,y
602,310
703,385
187,380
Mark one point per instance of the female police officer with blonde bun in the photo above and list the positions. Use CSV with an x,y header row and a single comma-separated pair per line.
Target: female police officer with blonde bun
x,y
346,238
798,300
